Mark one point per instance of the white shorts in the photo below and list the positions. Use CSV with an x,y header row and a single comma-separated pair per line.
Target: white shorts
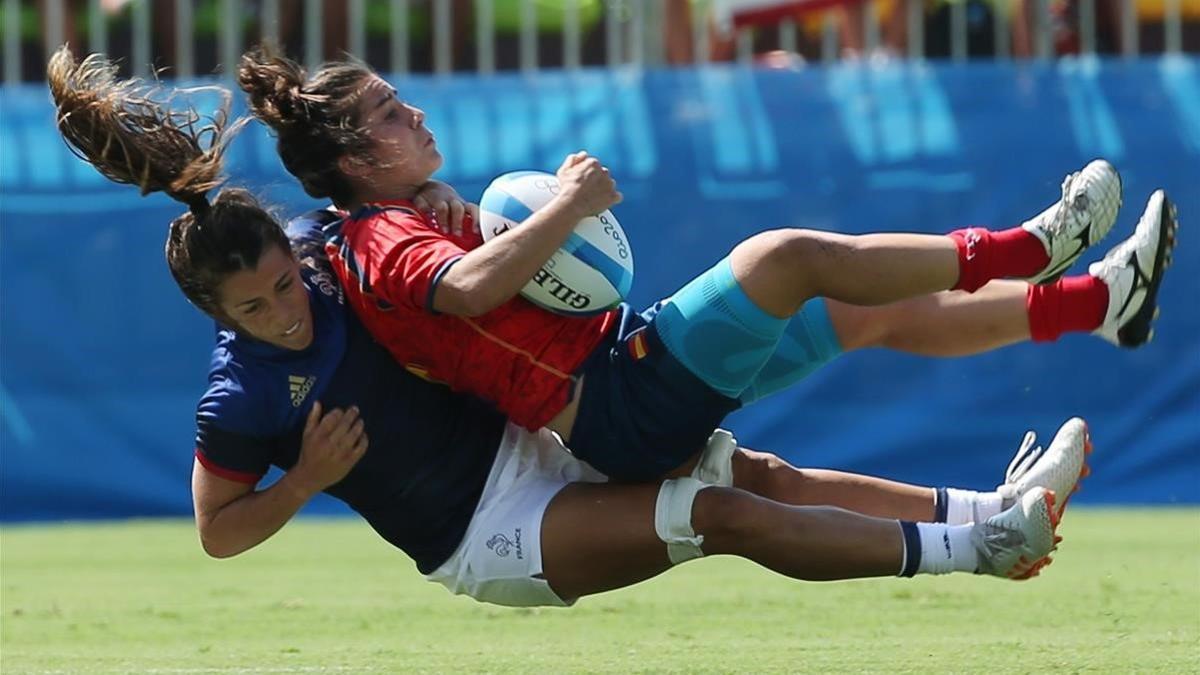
x,y
499,560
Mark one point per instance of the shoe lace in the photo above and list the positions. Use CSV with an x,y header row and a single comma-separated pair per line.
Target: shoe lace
x,y
1027,455
1057,223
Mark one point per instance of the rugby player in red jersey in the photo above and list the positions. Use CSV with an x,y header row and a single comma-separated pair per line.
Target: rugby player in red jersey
x,y
636,394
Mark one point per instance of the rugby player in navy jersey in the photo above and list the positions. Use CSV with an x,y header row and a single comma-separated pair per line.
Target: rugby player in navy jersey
x,y
484,506
265,402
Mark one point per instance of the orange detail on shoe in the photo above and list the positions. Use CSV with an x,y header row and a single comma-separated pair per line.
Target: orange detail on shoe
x,y
1084,472
1054,514
1033,570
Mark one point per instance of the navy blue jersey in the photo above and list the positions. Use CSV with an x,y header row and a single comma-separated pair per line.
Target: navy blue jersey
x,y
430,449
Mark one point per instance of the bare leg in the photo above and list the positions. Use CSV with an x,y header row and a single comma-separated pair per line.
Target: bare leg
x,y
622,549
677,32
780,270
1022,33
895,27
950,323
817,543
333,33
852,30
770,476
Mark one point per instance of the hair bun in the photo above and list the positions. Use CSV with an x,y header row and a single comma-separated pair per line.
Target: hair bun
x,y
273,84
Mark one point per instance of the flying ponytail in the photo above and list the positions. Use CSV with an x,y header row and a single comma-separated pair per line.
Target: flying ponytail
x,y
132,137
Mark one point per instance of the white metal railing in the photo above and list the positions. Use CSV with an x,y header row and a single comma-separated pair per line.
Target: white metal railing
x,y
633,32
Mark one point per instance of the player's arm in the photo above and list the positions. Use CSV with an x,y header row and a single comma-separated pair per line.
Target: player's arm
x,y
233,517
495,272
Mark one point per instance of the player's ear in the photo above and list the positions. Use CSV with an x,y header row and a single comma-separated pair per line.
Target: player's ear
x,y
352,166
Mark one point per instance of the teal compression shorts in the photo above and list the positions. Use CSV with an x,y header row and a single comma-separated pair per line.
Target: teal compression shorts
x,y
717,332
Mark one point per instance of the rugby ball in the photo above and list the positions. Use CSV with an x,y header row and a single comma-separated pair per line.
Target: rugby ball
x,y
591,273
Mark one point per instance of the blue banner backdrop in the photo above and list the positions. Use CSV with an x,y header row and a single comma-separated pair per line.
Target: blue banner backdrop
x,y
103,360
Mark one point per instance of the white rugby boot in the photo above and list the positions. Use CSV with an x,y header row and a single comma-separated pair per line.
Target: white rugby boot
x,y
1016,543
1133,271
1058,468
1090,200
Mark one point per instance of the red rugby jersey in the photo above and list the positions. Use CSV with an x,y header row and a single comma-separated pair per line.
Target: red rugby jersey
x,y
518,356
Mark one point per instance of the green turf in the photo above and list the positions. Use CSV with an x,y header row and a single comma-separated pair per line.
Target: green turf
x,y
328,596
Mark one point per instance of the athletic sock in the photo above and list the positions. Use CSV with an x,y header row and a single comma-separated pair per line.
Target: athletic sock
x,y
1069,304
984,255
943,549
934,548
961,507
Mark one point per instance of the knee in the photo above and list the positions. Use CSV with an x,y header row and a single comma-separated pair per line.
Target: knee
x,y
765,474
786,247
776,269
724,515
861,327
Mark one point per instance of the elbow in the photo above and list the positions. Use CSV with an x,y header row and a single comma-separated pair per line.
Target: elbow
x,y
218,553
464,300
215,548
473,307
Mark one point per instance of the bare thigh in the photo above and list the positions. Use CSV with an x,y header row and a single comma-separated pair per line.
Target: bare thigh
x,y
600,536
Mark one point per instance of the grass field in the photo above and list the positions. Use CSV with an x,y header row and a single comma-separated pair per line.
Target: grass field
x,y
328,596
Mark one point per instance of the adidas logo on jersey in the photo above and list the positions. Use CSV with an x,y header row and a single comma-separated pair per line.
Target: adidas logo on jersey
x,y
300,386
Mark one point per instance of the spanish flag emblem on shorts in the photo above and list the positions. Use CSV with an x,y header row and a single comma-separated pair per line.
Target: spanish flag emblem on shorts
x,y
638,348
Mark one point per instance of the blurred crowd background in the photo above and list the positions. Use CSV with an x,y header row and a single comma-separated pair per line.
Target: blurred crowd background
x,y
195,37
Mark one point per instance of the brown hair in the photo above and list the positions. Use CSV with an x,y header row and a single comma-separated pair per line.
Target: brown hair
x,y
315,119
123,130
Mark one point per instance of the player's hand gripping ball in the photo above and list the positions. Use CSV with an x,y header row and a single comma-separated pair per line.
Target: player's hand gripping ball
x,y
592,272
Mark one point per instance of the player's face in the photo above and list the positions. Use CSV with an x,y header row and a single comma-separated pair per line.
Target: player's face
x,y
270,302
405,152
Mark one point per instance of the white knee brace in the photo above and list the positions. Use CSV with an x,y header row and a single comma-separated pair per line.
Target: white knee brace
x,y
673,510
716,461
673,519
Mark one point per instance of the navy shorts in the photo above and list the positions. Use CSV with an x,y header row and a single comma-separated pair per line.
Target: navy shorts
x,y
642,412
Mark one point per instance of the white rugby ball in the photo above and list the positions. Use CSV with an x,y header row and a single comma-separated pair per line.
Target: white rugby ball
x,y
592,272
